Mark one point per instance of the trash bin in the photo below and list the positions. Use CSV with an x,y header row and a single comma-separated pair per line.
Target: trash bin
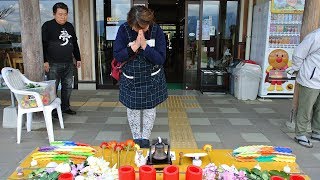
x,y
230,70
246,81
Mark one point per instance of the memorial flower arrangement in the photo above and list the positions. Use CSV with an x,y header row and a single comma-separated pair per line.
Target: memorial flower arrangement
x,y
223,172
91,168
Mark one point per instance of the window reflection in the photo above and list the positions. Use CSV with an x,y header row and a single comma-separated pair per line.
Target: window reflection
x,y
231,19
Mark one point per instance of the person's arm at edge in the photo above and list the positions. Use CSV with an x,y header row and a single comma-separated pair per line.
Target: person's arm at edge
x,y
44,33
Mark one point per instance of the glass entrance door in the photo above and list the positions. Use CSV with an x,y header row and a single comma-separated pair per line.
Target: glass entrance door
x,y
210,27
110,14
191,50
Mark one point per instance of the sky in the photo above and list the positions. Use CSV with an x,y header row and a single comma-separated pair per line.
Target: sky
x,y
12,22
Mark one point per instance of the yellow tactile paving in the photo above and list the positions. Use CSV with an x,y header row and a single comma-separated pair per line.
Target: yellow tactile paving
x,y
93,104
181,135
108,104
76,103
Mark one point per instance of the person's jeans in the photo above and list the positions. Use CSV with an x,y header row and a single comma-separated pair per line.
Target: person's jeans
x,y
62,72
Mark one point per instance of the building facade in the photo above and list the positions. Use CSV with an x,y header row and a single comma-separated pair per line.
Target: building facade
x,y
198,34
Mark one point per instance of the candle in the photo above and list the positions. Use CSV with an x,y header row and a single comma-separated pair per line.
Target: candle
x,y
126,173
147,172
194,173
296,177
171,173
65,176
276,178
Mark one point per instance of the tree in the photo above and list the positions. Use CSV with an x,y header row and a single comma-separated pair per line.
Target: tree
x,y
6,11
311,21
31,41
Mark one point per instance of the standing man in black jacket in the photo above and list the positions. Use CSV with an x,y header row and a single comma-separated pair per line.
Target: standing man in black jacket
x,y
59,48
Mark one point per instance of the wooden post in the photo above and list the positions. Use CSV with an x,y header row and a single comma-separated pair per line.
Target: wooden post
x,y
311,21
31,39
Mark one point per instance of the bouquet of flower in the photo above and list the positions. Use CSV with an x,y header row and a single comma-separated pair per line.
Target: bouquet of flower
x,y
224,172
93,168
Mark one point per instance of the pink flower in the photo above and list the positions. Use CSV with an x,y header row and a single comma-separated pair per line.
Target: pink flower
x,y
228,175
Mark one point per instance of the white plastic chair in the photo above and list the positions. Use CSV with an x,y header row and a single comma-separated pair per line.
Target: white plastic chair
x,y
16,82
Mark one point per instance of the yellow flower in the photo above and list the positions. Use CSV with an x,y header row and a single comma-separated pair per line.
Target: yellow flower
x,y
207,147
136,147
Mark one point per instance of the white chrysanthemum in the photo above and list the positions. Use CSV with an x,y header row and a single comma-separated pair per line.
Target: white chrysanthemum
x,y
98,166
63,168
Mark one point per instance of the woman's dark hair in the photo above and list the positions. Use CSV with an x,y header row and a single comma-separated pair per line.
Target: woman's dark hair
x,y
140,16
60,5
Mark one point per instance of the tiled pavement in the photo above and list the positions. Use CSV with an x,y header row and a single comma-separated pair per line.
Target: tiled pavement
x,y
188,118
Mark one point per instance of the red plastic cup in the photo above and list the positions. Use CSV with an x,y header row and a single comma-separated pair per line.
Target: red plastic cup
x,y
194,173
171,173
65,176
296,177
126,173
147,172
276,178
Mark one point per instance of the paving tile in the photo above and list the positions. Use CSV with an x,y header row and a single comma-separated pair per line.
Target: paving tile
x,y
202,128
103,93
108,135
84,136
229,110
88,108
117,120
155,135
97,120
264,110
199,121
211,109
96,100
161,115
108,104
93,113
230,137
317,155
160,128
213,137
219,128
252,102
215,145
239,121
161,121
313,173
221,101
120,109
254,137
277,122
161,110
105,108
75,119
234,115
63,135
195,110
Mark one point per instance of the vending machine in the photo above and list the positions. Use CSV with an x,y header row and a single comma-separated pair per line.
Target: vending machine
x,y
275,33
